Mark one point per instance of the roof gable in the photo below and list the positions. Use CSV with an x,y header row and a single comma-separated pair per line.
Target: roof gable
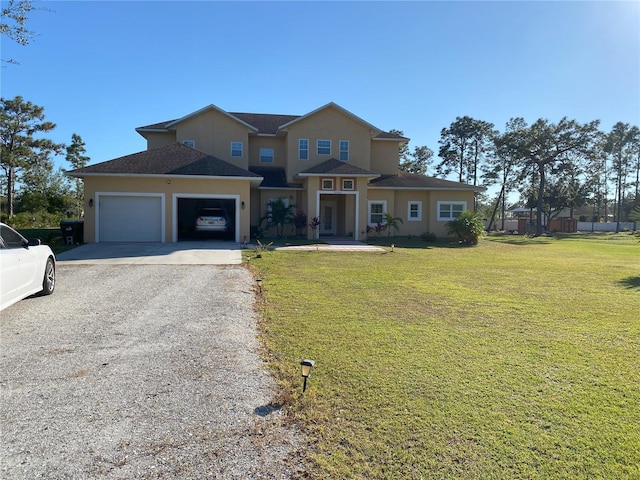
x,y
271,124
335,107
207,109
172,159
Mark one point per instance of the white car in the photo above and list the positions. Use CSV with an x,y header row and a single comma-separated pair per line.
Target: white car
x,y
26,267
212,220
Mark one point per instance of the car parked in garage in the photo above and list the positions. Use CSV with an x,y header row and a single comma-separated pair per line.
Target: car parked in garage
x,y
212,220
26,267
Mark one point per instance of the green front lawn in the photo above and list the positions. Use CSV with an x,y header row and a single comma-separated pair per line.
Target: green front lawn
x,y
519,358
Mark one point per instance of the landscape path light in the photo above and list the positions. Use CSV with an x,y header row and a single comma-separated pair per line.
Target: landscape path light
x,y
306,366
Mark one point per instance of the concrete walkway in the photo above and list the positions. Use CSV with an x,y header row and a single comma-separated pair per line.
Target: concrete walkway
x,y
181,253
337,245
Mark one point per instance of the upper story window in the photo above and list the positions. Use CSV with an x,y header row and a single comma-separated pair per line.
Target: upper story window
x,y
414,211
450,210
189,143
236,149
266,155
303,149
347,184
344,150
324,147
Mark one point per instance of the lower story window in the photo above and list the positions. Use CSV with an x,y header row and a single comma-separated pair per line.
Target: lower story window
x,y
376,212
450,210
414,213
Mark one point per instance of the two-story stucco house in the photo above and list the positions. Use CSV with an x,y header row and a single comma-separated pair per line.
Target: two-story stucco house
x,y
329,163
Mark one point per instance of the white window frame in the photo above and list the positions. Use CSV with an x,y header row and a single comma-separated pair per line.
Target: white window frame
x,y
266,153
318,146
369,213
301,149
450,203
235,147
327,183
417,203
189,143
340,144
345,186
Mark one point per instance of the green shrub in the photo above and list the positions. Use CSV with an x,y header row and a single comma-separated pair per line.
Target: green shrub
x,y
467,227
39,219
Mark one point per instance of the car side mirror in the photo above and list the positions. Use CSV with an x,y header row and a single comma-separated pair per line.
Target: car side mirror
x,y
34,242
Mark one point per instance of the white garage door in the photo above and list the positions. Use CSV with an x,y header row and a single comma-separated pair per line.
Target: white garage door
x,y
130,218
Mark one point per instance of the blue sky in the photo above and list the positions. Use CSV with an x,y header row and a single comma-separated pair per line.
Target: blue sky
x,y
102,68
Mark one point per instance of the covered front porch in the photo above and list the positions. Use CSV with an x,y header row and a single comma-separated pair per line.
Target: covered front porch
x,y
336,194
338,213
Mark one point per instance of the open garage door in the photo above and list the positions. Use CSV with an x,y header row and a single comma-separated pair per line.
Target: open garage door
x,y
189,208
130,218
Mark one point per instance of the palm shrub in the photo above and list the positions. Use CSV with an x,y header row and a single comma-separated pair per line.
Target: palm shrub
x,y
467,227
280,214
391,222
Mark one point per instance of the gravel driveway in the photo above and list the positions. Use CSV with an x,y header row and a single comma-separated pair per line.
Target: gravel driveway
x,y
140,371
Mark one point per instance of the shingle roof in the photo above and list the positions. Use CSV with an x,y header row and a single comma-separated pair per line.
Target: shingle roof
x,y
390,136
265,123
274,177
336,167
156,126
412,180
172,159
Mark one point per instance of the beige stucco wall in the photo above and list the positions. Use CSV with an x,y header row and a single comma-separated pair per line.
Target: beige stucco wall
x,y
401,210
385,157
167,187
279,151
159,139
398,206
438,226
213,133
328,124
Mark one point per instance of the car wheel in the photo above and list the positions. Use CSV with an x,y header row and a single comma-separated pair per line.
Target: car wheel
x,y
49,280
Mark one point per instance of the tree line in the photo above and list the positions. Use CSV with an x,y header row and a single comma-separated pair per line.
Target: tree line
x,y
552,167
31,188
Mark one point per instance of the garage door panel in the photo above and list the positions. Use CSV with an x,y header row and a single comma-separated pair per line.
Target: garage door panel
x,y
129,218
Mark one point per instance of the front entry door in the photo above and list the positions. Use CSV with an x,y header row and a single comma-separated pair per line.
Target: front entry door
x,y
328,218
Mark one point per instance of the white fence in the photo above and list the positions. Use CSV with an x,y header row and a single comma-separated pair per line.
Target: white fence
x,y
511,224
603,226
